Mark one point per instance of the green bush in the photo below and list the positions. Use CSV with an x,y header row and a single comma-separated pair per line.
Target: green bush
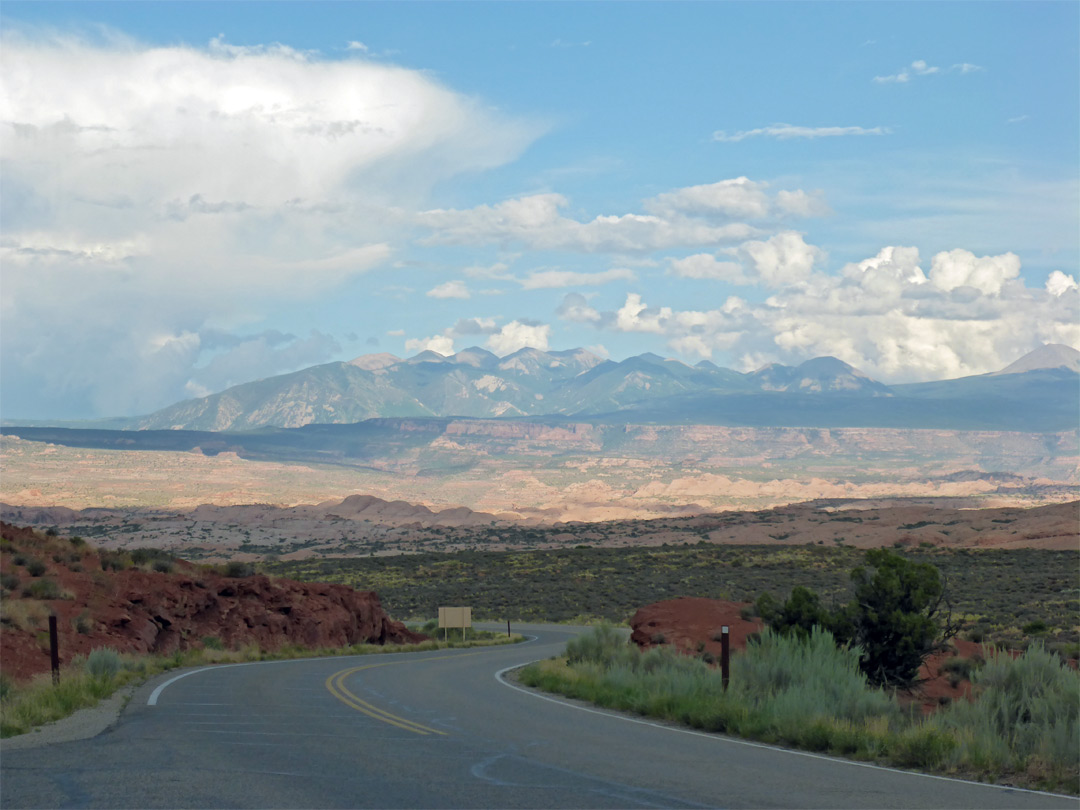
x,y
960,668
893,617
83,623
103,663
115,560
601,645
44,588
9,580
35,567
236,569
923,746
1026,710
793,680
212,643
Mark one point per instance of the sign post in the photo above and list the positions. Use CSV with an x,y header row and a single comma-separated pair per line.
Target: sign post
x,y
725,657
455,617
54,651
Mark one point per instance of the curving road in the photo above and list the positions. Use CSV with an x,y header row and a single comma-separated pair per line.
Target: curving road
x,y
439,729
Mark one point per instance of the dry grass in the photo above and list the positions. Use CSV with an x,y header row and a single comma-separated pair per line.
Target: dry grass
x,y
24,614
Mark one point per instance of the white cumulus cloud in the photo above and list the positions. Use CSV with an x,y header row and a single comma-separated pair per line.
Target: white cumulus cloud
x,y
883,314
440,344
449,289
226,181
961,268
1058,283
553,279
783,259
705,215
518,335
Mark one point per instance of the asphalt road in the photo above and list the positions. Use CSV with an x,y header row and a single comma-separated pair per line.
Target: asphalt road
x,y
437,729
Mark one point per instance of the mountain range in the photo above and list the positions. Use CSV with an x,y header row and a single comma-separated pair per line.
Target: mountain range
x,y
1039,392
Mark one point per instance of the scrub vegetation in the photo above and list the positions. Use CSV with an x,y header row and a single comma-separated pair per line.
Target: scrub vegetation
x,y
808,692
994,594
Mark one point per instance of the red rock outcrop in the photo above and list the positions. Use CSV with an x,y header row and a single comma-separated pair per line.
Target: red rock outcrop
x,y
689,624
140,611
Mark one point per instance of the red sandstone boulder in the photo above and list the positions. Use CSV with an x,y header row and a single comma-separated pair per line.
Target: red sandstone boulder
x,y
689,624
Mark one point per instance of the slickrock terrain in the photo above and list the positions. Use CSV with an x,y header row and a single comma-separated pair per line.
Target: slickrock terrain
x,y
363,526
161,611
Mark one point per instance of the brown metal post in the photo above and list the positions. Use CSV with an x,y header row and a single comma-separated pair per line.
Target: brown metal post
x,y
508,628
725,657
54,651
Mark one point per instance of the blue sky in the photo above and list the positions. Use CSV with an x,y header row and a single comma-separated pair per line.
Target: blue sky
x,y
199,194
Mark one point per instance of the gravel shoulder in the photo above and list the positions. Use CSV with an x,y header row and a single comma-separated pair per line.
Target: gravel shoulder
x,y
82,725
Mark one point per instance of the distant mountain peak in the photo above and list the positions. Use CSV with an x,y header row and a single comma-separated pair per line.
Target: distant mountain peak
x,y
429,356
475,356
818,375
1049,355
829,365
373,362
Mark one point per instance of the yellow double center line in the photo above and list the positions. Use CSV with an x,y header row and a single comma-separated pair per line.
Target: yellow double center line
x,y
336,684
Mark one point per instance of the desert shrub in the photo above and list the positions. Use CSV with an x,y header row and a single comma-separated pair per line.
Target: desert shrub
x,y
114,560
795,679
212,643
9,580
83,623
1034,628
43,588
102,663
35,567
6,686
76,541
601,645
798,615
52,532
1026,709
163,566
235,568
922,746
24,614
20,559
960,669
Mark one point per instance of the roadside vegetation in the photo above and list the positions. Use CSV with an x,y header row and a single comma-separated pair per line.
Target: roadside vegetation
x,y
828,679
87,680
1011,598
808,692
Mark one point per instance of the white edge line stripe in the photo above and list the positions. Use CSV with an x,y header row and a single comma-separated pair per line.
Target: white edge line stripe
x,y
153,699
499,676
